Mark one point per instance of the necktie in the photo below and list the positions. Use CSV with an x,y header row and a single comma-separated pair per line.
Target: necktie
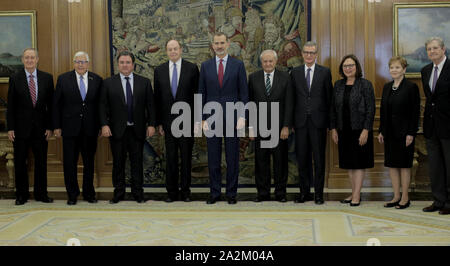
x,y
32,88
129,101
220,74
308,79
435,77
82,88
174,80
268,86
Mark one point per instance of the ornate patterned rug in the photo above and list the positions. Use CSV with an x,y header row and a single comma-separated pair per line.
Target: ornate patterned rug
x,y
157,223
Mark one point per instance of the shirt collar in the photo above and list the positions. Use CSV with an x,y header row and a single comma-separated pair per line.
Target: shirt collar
x,y
34,73
441,64
177,62
85,75
122,76
225,59
271,73
312,67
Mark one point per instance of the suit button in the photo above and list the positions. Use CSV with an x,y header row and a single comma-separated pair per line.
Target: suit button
x,y
81,115
432,104
84,104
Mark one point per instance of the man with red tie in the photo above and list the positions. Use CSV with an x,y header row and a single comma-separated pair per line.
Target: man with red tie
x,y
29,124
223,80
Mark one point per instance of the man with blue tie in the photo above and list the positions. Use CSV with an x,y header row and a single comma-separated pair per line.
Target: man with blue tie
x,y
176,80
75,118
127,117
29,122
223,79
436,123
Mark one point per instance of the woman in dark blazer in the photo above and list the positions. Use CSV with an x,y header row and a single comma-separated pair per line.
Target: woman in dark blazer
x,y
399,120
352,114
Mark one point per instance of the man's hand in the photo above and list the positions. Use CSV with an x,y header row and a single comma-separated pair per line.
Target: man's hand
x,y
151,131
240,123
57,132
161,130
334,136
284,133
106,132
251,133
381,138
48,134
11,135
363,137
205,125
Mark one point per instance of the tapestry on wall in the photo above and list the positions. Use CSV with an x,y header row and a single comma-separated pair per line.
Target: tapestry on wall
x,y
144,26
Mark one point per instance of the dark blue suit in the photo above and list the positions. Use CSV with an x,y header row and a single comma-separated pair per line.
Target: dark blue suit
x,y
234,90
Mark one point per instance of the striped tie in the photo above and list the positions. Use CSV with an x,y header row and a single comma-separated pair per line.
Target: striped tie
x,y
268,86
32,87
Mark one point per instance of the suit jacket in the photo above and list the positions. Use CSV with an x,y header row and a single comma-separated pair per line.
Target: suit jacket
x,y
187,87
319,98
70,113
113,108
404,111
234,87
437,108
21,115
362,105
281,92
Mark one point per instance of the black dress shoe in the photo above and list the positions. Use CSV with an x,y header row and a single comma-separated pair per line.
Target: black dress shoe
x,y
399,206
303,198
91,200
281,199
187,199
392,204
444,211
212,200
431,208
20,201
319,201
232,200
71,201
114,200
139,199
45,199
169,200
261,199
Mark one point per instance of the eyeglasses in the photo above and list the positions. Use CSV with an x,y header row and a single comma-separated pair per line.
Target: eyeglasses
x,y
80,62
348,66
309,53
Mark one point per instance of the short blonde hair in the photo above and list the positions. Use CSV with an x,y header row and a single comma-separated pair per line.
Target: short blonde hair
x,y
399,59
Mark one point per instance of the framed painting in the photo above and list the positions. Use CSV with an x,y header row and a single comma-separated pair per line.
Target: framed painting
x,y
414,23
18,32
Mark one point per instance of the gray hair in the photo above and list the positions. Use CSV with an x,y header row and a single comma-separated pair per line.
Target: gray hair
x,y
310,44
438,39
81,53
269,51
31,49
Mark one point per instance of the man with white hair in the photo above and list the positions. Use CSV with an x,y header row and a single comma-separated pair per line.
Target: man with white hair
x,y
272,86
76,119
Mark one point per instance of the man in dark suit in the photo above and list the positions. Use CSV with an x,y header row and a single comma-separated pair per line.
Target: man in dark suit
x,y
223,79
436,123
176,81
272,86
313,90
30,96
127,116
75,117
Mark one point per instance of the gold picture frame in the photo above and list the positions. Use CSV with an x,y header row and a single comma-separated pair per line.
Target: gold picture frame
x,y
413,24
18,31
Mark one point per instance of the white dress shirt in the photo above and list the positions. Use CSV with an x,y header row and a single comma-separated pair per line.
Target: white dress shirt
x,y
35,80
85,80
171,65
271,74
224,63
440,66
311,73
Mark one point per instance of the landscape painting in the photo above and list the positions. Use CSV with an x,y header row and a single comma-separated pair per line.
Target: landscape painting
x,y
18,31
413,25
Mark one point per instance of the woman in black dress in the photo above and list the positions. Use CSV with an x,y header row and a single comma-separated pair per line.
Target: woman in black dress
x,y
399,121
352,114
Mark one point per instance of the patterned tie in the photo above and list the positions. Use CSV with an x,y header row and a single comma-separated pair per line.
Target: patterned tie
x,y
220,74
268,86
82,88
308,79
129,101
174,80
435,77
32,87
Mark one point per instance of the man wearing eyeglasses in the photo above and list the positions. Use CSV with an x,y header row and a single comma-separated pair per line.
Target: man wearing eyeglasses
x,y
76,119
313,90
